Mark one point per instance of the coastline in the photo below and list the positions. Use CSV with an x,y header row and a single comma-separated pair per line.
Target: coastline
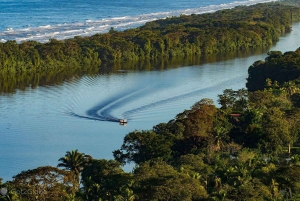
x,y
240,28
66,29
60,152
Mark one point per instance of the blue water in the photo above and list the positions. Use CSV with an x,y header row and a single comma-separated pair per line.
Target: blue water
x,y
23,20
37,126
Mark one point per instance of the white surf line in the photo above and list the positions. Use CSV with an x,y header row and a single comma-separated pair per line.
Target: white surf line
x,y
91,27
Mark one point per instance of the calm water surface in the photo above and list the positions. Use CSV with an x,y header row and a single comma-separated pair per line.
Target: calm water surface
x,y
37,126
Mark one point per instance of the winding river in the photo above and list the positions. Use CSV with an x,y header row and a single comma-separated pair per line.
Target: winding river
x,y
37,126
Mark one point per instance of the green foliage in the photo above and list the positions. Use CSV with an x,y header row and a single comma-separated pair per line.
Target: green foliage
x,y
140,146
156,180
105,180
73,161
240,28
205,153
236,101
199,120
277,67
288,180
275,131
240,151
43,183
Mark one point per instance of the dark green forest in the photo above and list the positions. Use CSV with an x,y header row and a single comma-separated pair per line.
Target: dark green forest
x,y
278,68
11,83
248,148
245,148
241,28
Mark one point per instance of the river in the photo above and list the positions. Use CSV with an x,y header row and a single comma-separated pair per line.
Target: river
x,y
38,126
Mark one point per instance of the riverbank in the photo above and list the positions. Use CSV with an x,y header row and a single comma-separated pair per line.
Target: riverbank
x,y
240,150
240,28
36,123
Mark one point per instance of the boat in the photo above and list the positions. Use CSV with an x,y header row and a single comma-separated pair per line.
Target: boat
x,y
123,122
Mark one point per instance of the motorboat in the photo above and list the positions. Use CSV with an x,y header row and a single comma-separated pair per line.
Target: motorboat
x,y
123,122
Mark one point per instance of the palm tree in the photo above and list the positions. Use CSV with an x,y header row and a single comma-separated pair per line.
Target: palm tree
x,y
73,161
220,137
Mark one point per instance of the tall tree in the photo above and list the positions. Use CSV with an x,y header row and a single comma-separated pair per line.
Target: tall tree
x,y
156,180
73,161
199,120
140,146
105,179
275,131
45,183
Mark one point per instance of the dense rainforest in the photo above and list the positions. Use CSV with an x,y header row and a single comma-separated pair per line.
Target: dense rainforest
x,y
245,149
239,28
248,148
277,67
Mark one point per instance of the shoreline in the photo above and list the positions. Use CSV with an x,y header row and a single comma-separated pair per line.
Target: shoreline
x,y
238,29
67,30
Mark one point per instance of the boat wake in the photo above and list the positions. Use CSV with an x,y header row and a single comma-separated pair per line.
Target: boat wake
x,y
124,102
98,118
103,110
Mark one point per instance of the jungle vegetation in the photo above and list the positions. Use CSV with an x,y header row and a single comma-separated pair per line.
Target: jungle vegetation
x,y
10,82
240,28
277,69
246,148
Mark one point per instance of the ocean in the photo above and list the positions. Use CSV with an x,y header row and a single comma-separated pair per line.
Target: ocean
x,y
24,20
36,125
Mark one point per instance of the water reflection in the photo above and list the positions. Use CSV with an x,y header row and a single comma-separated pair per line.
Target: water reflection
x,y
45,115
9,83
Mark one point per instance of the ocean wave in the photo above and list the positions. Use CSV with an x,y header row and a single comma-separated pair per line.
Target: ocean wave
x,y
90,27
